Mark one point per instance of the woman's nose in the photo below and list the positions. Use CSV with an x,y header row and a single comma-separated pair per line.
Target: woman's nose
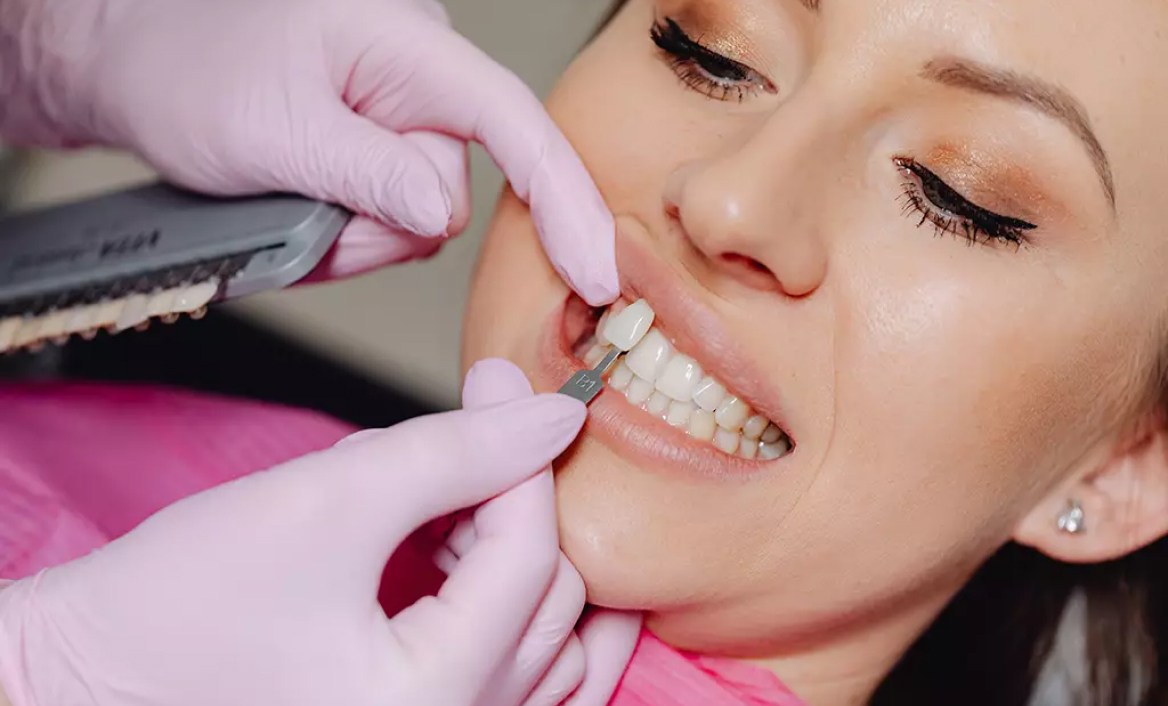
x,y
749,216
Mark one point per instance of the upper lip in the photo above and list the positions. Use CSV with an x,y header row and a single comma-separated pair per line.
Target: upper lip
x,y
696,330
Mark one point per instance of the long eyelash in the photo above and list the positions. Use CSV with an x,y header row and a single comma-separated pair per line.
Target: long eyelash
x,y
703,69
956,215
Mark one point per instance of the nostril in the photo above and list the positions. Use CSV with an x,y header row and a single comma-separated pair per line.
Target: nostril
x,y
751,271
752,264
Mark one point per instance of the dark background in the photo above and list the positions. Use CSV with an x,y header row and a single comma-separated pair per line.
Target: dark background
x,y
226,355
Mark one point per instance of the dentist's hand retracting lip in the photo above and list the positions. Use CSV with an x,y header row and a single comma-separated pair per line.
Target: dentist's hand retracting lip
x,y
366,103
697,331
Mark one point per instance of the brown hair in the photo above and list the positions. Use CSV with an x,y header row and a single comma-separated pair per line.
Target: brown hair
x,y
989,647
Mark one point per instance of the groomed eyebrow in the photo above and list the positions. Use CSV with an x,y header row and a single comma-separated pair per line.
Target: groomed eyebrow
x,y
1033,92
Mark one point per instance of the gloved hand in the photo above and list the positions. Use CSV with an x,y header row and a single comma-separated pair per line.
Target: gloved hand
x,y
368,103
606,639
262,591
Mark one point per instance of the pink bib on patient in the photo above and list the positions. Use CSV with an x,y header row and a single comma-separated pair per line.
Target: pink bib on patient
x,y
82,464
661,676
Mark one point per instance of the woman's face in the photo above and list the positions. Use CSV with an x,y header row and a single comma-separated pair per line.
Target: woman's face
x,y
924,237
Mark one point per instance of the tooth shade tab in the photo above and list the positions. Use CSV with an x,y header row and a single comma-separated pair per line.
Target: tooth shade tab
x,y
8,330
133,311
626,328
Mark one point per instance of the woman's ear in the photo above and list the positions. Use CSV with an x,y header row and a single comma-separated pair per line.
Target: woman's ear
x,y
1124,503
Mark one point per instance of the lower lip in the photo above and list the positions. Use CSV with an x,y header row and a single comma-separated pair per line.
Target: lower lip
x,y
632,433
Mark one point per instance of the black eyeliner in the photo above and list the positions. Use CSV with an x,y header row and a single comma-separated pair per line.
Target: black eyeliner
x,y
673,40
949,211
948,198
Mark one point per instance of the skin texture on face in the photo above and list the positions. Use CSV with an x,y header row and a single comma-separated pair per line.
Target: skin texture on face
x,y
950,378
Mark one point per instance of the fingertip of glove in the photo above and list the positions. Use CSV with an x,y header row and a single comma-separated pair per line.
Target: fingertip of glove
x,y
493,381
357,436
546,417
495,368
597,288
423,206
582,251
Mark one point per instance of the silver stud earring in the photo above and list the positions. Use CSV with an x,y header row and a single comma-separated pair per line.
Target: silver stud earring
x,y
1071,519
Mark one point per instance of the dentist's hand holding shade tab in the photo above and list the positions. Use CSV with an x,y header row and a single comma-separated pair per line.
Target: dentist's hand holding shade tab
x,y
263,591
365,103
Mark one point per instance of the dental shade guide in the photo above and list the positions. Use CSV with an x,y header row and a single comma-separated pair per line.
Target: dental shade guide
x,y
636,319
585,385
122,260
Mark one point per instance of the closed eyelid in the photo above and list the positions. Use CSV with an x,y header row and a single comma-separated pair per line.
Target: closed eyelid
x,y
1044,97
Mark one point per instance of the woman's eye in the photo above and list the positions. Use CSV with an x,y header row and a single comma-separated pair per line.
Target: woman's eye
x,y
705,70
927,196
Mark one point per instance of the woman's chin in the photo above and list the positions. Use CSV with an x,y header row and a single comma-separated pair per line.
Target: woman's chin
x,y
603,533
610,584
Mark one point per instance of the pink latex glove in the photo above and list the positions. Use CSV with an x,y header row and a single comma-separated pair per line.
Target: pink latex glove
x,y
601,646
263,591
366,103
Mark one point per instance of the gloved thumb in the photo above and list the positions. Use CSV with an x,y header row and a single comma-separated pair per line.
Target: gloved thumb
x,y
378,173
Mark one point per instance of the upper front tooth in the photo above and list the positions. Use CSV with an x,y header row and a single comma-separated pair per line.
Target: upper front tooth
x,y
680,377
709,394
649,357
625,329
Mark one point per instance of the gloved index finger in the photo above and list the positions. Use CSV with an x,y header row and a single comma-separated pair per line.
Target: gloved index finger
x,y
484,102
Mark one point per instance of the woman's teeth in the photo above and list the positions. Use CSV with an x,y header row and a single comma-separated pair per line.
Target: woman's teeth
x,y
672,386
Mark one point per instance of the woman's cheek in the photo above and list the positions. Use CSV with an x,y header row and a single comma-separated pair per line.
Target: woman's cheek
x,y
513,291
970,395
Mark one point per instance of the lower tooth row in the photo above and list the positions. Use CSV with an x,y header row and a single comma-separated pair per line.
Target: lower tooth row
x,y
731,426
